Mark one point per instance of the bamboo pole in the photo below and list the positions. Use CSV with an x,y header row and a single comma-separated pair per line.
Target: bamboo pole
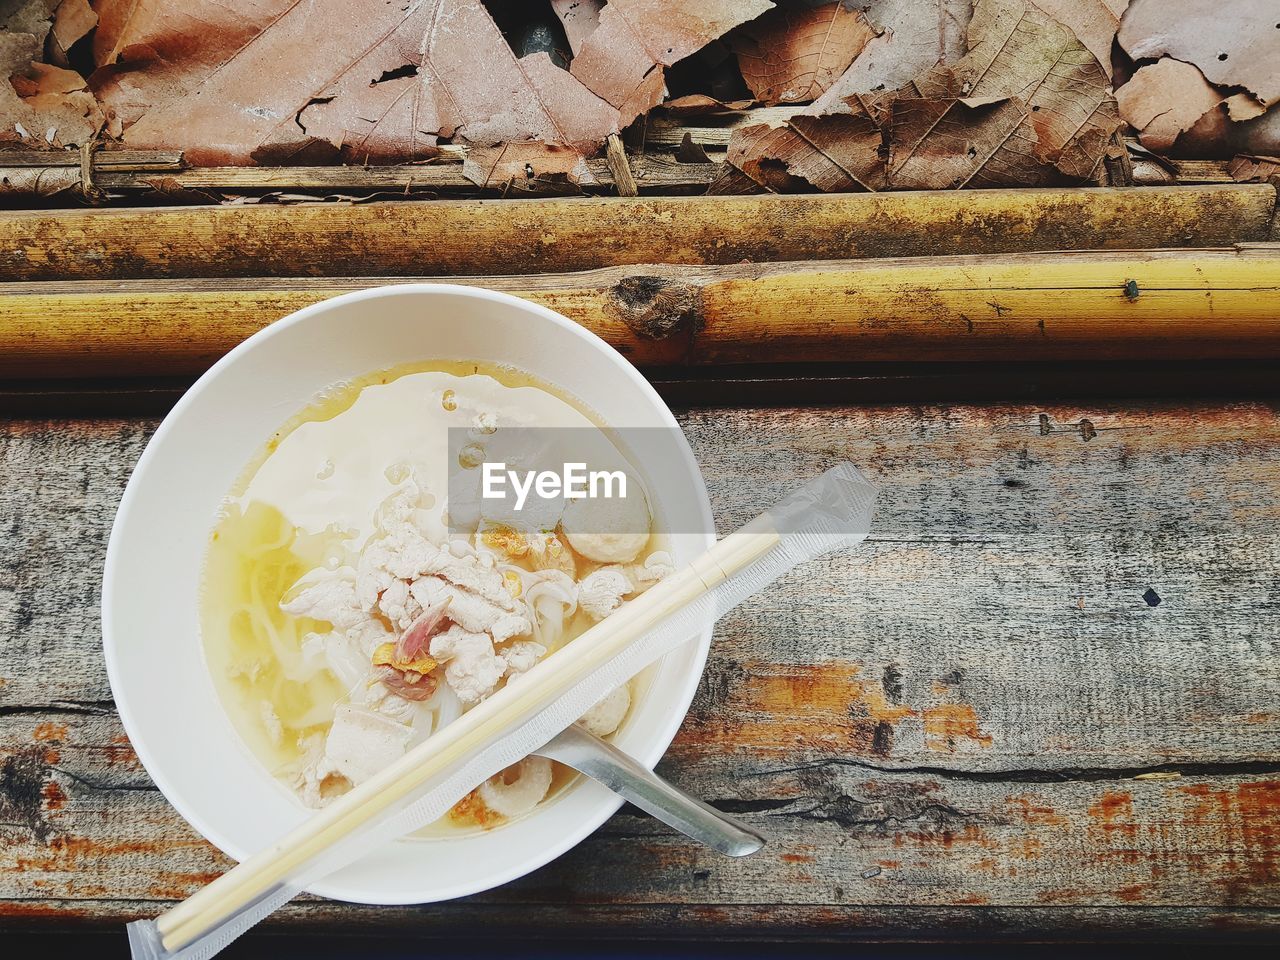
x,y
470,237
1147,305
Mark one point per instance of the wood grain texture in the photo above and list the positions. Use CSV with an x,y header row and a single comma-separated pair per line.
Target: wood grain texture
x,y
977,726
1136,305
467,237
130,174
652,174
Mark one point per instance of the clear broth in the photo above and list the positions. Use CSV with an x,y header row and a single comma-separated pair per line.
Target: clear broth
x,y
254,650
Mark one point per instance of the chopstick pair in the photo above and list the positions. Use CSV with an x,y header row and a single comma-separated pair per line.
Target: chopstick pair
x,y
829,513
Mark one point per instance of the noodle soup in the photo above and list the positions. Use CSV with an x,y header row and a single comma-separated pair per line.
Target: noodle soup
x,y
345,618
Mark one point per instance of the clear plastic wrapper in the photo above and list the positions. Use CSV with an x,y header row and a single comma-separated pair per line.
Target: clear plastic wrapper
x,y
832,512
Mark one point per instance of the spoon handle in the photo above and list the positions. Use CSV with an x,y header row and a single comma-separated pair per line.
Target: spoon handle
x,y
605,763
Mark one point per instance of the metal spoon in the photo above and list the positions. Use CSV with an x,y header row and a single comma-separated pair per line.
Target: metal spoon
x,y
605,763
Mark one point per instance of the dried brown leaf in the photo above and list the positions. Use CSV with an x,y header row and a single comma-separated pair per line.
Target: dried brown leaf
x,y
764,154
1235,43
579,18
1094,23
699,104
854,143
842,152
27,182
1017,51
949,144
230,81
733,182
1254,169
912,36
793,54
690,152
1216,135
500,166
1177,111
44,79
487,96
1027,105
71,23
621,59
42,106
1164,100
1244,106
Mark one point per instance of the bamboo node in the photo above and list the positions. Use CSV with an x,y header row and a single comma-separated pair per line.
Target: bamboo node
x,y
654,308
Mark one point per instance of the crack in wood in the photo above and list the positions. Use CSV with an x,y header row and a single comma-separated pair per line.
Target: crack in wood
x,y
137,787
847,812
73,707
850,813
1037,775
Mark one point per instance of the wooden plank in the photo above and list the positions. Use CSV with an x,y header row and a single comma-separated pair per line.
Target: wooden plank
x,y
102,159
470,237
135,170
1142,305
616,157
98,841
130,172
654,173
665,132
980,722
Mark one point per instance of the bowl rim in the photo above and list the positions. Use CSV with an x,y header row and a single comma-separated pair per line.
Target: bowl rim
x,y
656,743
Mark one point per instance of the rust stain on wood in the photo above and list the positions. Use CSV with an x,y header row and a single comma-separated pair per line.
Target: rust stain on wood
x,y
1113,813
952,726
50,731
967,834
779,707
54,798
34,909
67,852
120,752
1032,810
1252,810
1066,895
1134,893
776,707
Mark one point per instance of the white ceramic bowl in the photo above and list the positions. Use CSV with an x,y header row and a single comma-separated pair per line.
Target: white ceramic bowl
x,y
150,628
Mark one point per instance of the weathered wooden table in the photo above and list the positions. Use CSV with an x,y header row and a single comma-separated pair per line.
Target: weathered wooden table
x,y
1042,702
